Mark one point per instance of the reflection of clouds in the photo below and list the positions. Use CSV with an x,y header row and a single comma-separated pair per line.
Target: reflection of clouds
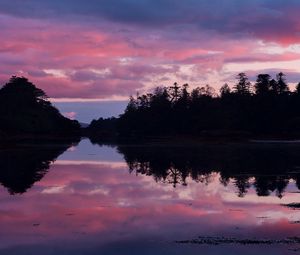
x,y
72,148
103,200
229,195
91,162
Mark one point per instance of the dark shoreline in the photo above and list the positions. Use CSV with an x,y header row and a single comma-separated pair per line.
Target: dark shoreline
x,y
12,141
194,140
172,140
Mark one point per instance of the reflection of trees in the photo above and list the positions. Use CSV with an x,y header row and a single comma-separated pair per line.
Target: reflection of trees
x,y
268,168
23,165
265,185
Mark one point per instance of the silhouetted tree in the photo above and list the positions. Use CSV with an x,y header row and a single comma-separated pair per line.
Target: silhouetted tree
x,y
243,86
274,87
268,110
298,89
262,85
131,106
282,86
225,90
25,109
174,92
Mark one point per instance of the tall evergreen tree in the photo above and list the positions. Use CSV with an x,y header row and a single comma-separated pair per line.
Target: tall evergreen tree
x,y
225,90
243,87
274,87
262,85
282,85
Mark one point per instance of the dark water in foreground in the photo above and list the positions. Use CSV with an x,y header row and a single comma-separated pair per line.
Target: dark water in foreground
x,y
91,199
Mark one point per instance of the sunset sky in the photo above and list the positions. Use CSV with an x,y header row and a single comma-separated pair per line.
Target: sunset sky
x,y
81,52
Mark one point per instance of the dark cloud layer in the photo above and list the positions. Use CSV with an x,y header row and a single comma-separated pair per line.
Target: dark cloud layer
x,y
255,17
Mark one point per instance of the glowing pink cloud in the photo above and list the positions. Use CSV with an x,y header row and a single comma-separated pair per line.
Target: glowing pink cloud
x,y
79,52
70,115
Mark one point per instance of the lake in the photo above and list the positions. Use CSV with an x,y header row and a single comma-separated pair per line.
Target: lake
x,y
150,199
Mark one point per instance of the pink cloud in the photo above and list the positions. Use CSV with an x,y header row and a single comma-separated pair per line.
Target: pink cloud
x,y
70,115
83,60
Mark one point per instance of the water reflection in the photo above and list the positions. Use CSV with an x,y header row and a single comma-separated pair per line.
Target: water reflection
x,y
24,164
88,203
268,168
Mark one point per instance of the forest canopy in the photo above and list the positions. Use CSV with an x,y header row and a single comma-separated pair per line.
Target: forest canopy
x,y
266,108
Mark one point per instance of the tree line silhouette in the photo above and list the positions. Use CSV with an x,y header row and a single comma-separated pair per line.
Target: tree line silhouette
x,y
266,108
25,109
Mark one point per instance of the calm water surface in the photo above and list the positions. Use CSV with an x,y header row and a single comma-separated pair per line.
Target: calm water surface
x,y
92,199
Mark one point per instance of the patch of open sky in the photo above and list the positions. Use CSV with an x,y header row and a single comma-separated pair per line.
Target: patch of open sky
x,y
85,112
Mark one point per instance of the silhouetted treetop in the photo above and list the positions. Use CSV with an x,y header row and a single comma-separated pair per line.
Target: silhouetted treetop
x,y
243,86
25,109
225,90
282,86
23,89
267,108
262,85
298,88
